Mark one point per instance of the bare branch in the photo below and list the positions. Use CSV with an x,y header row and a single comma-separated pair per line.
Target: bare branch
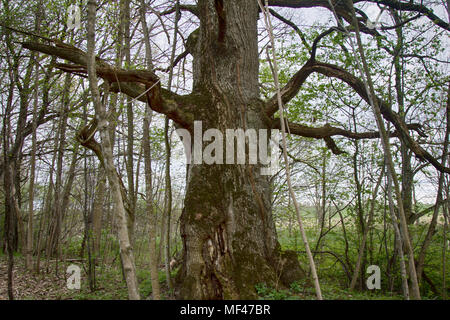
x,y
293,26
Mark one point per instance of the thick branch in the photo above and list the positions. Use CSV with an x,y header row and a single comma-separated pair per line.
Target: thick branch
x,y
343,11
183,7
294,84
339,7
172,104
412,7
391,116
327,131
135,83
291,89
299,3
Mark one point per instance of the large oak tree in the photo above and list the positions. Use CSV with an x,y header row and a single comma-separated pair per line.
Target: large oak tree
x,y
228,232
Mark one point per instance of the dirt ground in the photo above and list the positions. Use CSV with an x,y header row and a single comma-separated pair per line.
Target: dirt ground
x,y
29,285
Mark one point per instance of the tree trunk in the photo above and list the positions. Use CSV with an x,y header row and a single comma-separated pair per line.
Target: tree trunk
x,y
97,210
406,154
45,216
227,229
29,249
149,206
167,204
53,244
126,249
125,24
148,167
8,189
167,140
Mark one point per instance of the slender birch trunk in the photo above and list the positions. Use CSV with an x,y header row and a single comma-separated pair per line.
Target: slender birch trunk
x,y
398,241
126,250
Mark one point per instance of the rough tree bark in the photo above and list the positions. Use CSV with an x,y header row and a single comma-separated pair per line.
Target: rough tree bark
x,y
228,233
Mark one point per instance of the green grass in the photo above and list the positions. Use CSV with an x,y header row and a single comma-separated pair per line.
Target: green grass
x,y
333,277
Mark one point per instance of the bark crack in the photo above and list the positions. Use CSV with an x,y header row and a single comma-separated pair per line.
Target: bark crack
x,y
222,19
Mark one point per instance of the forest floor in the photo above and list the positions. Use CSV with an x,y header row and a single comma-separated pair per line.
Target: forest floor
x,y
30,285
50,285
